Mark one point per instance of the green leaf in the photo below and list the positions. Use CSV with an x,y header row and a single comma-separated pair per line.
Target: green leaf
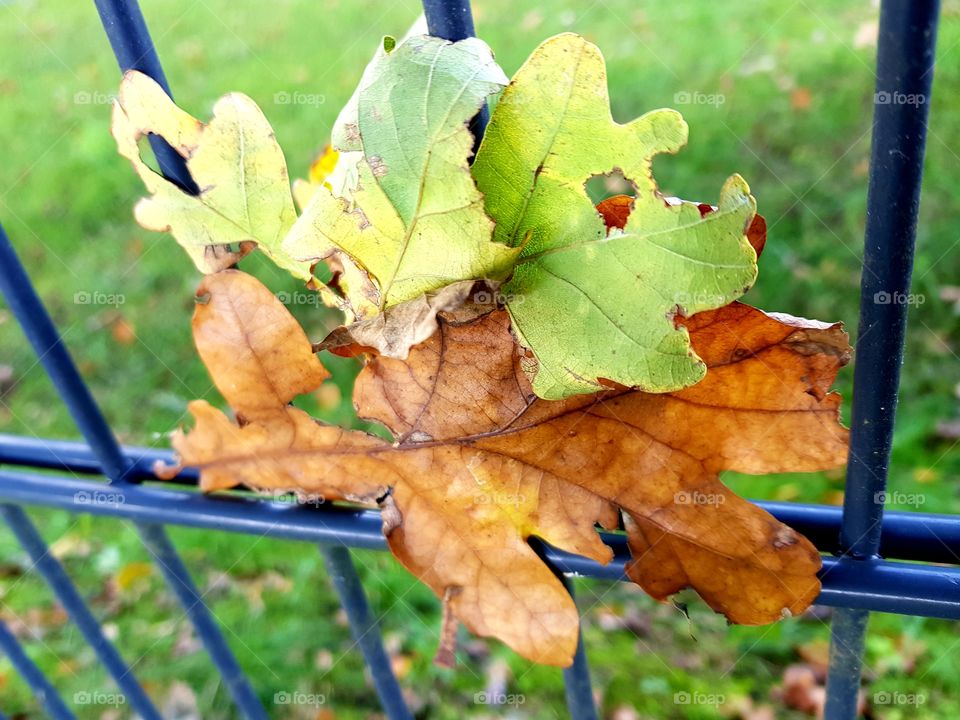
x,y
590,305
415,222
235,161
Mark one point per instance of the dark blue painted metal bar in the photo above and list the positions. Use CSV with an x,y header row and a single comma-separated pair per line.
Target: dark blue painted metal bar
x,y
77,457
40,331
904,71
178,578
577,687
453,20
905,58
125,27
848,628
365,630
27,308
68,595
234,513
124,24
889,586
925,537
42,689
924,590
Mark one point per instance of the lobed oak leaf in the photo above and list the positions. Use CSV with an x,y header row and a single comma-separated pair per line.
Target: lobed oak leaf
x,y
414,221
594,306
260,359
480,464
235,161
258,356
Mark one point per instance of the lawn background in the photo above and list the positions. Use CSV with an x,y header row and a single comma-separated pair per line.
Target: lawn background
x,y
796,82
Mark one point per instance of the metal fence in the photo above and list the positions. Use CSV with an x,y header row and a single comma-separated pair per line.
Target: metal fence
x,y
875,561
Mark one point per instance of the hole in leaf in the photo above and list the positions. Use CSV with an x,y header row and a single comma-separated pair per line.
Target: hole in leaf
x,y
146,154
601,187
613,194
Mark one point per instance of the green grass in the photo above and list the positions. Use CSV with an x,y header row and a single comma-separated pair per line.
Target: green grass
x,y
66,199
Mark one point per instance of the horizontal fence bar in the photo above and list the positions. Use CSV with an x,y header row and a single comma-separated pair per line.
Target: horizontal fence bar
x,y
883,586
924,590
68,596
42,689
926,537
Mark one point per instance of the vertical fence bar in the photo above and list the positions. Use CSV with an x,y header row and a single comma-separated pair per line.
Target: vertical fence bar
x,y
905,59
68,595
848,628
27,307
127,31
577,686
365,631
42,689
16,288
453,20
178,578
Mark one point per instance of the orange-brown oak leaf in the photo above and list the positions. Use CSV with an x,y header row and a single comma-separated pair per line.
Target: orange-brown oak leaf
x,y
256,353
260,359
480,465
763,407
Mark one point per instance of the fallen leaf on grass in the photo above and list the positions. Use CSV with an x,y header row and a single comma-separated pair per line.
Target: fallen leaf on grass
x,y
480,464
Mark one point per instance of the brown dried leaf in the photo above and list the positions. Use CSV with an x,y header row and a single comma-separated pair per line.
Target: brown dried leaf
x,y
257,354
398,328
480,465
